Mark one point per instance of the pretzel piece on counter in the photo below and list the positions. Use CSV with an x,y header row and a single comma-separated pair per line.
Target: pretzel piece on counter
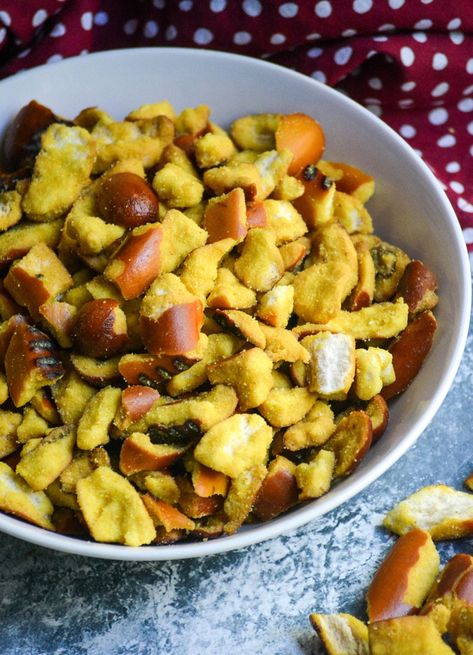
x,y
406,635
453,588
438,509
341,634
405,577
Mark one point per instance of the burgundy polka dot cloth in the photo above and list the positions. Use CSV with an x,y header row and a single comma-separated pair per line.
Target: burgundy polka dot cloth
x,y
408,61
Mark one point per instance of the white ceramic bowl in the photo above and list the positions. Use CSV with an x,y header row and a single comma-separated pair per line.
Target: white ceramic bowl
x,y
409,209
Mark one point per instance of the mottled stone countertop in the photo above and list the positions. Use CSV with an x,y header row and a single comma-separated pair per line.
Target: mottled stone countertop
x,y
256,600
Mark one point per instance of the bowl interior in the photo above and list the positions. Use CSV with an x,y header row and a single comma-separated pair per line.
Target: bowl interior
x,y
409,209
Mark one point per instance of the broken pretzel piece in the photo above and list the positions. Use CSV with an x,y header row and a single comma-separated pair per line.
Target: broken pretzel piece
x,y
350,442
44,459
36,278
242,496
31,362
235,445
407,635
409,352
438,509
17,498
418,287
113,509
139,453
452,589
341,634
405,577
278,491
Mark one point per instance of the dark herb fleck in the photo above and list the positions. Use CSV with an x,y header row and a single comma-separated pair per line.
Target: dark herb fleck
x,y
147,381
310,172
175,434
326,183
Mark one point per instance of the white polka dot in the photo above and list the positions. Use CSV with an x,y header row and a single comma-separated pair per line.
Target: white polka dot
x,y
469,128
130,26
468,233
375,109
319,76
323,9
387,27
362,6
39,18
466,104
314,52
420,37
24,53
405,102
171,33
5,18
288,9
371,53
407,131
439,61
454,24
58,30
218,5
408,86
252,7
54,58
372,101
349,32
407,56
423,24
150,29
446,141
438,116
418,152
380,38
186,5
426,2
465,205
277,39
469,66
87,20
396,4
101,18
468,90
342,55
457,186
457,37
452,167
441,89
313,36
241,38
203,36
471,151
375,83
3,33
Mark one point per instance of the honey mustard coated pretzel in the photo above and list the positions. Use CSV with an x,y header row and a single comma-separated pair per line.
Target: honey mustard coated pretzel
x,y
199,327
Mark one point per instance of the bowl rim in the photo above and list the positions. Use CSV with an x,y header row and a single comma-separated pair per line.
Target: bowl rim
x,y
338,495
